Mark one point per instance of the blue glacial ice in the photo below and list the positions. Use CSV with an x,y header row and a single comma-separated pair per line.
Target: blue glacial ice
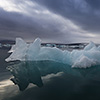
x,y
89,56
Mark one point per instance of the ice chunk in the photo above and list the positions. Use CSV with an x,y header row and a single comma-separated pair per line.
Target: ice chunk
x,y
20,43
90,46
33,49
98,48
22,51
34,52
12,49
19,50
84,62
48,53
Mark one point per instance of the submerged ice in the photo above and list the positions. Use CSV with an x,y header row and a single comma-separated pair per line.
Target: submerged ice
x,y
41,72
89,56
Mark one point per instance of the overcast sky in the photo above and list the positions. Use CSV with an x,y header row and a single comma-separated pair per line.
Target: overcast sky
x,y
63,21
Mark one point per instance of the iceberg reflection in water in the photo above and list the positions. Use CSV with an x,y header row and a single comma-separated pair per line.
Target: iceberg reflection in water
x,y
32,71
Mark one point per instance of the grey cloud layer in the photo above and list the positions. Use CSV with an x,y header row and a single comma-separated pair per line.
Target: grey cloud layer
x,y
51,20
15,24
94,3
84,13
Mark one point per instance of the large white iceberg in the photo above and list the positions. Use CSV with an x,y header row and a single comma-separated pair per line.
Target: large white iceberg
x,y
89,56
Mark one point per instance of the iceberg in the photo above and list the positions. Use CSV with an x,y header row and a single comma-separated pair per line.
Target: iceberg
x,y
84,62
36,61
90,46
89,56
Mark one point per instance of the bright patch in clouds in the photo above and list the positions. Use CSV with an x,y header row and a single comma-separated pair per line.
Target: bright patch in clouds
x,y
8,5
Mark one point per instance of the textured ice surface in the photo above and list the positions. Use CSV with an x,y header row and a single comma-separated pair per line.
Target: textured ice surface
x,y
90,46
87,57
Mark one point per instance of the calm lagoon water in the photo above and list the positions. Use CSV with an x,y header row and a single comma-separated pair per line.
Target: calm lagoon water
x,y
52,81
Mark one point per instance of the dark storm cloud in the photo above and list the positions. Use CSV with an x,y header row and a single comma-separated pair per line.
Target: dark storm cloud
x,y
81,12
36,22
14,24
94,3
51,20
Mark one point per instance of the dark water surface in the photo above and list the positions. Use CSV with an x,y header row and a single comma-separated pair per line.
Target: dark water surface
x,y
52,81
